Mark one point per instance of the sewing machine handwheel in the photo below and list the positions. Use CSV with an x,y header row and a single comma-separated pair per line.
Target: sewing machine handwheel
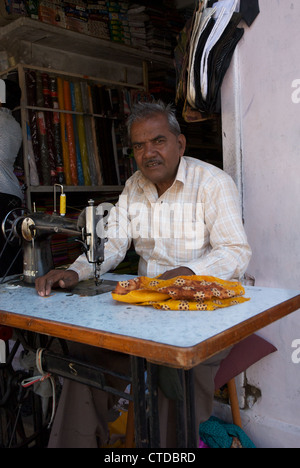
x,y
10,221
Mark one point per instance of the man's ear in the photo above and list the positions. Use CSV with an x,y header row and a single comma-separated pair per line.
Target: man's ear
x,y
182,144
2,92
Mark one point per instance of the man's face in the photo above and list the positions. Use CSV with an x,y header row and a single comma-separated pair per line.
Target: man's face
x,y
157,151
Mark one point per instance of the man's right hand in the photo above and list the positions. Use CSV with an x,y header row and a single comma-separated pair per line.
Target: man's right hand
x,y
56,278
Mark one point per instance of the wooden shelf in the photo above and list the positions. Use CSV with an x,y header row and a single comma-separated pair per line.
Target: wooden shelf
x,y
36,32
77,188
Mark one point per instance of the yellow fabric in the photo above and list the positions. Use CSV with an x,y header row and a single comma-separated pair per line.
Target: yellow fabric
x,y
117,431
180,293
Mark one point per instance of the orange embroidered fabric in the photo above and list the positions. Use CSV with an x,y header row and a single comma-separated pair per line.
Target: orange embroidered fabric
x,y
180,293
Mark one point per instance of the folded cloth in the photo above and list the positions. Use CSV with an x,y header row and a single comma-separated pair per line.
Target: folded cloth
x,y
218,434
180,293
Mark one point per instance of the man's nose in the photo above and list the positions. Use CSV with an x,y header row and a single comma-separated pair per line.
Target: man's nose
x,y
149,149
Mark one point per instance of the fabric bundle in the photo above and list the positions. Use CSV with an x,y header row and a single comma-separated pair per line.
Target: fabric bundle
x,y
180,293
216,433
203,54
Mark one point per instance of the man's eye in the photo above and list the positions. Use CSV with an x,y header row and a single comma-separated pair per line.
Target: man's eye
x,y
137,147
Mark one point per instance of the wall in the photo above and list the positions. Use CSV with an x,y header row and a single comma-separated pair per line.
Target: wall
x,y
261,151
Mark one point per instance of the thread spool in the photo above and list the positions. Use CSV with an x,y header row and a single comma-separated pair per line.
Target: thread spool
x,y
63,204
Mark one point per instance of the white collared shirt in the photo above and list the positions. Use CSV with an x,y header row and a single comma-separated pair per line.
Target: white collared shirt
x,y
196,223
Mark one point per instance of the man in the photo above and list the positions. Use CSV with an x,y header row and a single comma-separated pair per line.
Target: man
x,y
205,235
11,196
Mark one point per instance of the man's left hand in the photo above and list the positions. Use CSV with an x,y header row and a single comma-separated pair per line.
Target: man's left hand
x,y
180,271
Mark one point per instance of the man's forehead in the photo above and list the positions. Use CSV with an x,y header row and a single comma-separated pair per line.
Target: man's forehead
x,y
152,126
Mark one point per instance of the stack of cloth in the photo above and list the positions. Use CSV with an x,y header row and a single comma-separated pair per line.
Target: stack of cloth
x,y
76,16
98,24
118,22
137,19
180,293
50,12
159,36
154,26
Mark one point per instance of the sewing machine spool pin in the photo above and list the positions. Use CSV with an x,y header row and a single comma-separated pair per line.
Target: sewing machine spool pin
x,y
63,200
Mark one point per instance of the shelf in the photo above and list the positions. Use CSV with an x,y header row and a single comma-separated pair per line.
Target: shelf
x,y
36,32
77,188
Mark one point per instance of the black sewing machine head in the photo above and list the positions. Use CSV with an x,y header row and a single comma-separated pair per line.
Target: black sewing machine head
x,y
35,230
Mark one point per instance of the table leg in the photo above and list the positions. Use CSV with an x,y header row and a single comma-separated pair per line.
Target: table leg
x,y
152,383
139,401
180,416
190,409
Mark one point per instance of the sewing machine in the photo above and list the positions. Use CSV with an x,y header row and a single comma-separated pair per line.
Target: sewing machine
x,y
36,229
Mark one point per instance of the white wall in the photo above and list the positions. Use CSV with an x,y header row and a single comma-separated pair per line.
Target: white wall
x,y
261,126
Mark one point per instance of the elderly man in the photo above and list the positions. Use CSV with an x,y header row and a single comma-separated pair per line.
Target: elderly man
x,y
205,237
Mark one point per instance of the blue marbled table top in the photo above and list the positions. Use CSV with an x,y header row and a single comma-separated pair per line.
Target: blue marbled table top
x,y
101,312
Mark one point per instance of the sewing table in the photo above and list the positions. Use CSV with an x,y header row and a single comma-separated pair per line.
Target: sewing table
x,y
151,337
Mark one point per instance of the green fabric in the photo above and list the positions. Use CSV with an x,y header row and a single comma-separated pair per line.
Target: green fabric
x,y
218,434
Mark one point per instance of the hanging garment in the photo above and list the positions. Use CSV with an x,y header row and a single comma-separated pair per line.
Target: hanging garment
x,y
224,12
218,63
210,42
181,58
249,10
205,29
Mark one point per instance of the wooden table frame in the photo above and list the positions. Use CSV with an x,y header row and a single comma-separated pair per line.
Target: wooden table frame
x,y
156,352
184,358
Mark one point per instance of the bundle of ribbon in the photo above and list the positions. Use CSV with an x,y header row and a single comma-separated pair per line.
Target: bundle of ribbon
x,y
180,293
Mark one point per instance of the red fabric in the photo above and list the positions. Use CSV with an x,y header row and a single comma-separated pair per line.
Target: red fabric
x,y
243,355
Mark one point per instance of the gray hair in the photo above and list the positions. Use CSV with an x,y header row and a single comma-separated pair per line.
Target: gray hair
x,y
144,110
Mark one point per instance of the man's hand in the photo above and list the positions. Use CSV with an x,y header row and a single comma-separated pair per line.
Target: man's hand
x,y
180,271
55,278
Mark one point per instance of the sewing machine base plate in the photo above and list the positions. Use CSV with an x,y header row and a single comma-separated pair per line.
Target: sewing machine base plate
x,y
89,288
84,288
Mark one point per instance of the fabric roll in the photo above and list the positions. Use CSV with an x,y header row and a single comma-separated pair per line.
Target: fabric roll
x,y
33,173
76,138
64,144
96,150
49,126
42,133
94,174
30,78
56,133
81,134
70,133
